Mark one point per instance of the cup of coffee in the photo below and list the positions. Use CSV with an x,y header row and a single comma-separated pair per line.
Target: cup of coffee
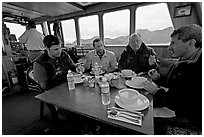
x,y
153,74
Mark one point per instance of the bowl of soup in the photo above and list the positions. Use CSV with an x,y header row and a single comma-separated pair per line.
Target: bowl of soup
x,y
128,96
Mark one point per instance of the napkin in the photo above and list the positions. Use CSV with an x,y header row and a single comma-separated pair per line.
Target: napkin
x,y
125,120
118,83
163,112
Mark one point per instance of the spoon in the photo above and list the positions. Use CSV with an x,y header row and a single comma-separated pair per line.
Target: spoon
x,y
115,113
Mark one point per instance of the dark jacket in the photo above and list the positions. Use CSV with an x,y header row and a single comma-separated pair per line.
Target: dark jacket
x,y
185,89
137,62
65,63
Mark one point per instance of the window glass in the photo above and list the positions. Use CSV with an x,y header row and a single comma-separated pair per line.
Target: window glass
x,y
154,24
39,28
51,28
69,32
116,27
89,29
16,29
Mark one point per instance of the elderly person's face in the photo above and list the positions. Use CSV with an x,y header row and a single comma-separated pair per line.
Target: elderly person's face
x,y
99,47
178,48
135,42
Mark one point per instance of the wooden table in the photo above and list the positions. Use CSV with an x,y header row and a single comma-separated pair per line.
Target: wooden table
x,y
87,102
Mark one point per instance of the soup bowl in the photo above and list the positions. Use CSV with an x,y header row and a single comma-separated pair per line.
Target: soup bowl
x,y
128,96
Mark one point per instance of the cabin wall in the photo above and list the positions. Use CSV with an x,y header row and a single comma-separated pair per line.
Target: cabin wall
x,y
194,18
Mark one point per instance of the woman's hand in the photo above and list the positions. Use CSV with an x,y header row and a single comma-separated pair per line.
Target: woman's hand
x,y
150,87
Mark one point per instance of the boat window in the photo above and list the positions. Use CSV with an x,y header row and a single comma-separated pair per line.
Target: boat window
x,y
154,24
116,27
69,32
51,28
16,29
39,28
89,29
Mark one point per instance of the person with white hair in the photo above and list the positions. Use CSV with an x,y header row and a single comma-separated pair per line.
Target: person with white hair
x,y
137,56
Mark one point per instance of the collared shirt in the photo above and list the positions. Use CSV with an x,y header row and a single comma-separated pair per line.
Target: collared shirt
x,y
108,61
33,39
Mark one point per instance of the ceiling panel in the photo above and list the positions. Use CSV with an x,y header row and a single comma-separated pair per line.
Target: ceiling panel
x,y
39,9
13,10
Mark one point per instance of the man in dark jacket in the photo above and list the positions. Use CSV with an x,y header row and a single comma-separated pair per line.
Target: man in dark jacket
x,y
184,80
50,69
137,56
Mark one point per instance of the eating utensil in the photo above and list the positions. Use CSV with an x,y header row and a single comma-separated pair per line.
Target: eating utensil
x,y
115,114
135,116
129,111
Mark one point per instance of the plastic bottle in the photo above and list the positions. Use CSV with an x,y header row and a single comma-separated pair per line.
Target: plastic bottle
x,y
96,69
86,82
70,80
105,92
13,77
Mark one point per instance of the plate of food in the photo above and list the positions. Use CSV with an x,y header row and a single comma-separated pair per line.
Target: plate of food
x,y
100,72
136,82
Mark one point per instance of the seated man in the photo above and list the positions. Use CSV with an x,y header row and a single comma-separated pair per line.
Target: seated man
x,y
137,56
184,79
105,59
50,68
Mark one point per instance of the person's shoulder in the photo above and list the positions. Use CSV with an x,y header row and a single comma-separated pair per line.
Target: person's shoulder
x,y
149,48
110,52
41,58
91,52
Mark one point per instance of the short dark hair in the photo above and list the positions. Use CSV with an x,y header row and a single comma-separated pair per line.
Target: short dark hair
x,y
96,40
31,24
50,40
189,32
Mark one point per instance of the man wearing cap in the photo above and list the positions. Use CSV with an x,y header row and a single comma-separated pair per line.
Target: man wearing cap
x,y
33,40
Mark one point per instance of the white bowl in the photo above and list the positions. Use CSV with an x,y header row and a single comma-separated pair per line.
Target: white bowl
x,y
128,96
126,72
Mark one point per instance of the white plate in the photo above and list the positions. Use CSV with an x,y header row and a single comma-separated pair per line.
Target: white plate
x,y
126,76
101,72
131,84
141,104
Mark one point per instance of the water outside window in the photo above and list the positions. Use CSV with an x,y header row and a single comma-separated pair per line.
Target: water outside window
x,y
116,27
16,29
69,33
154,24
89,29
